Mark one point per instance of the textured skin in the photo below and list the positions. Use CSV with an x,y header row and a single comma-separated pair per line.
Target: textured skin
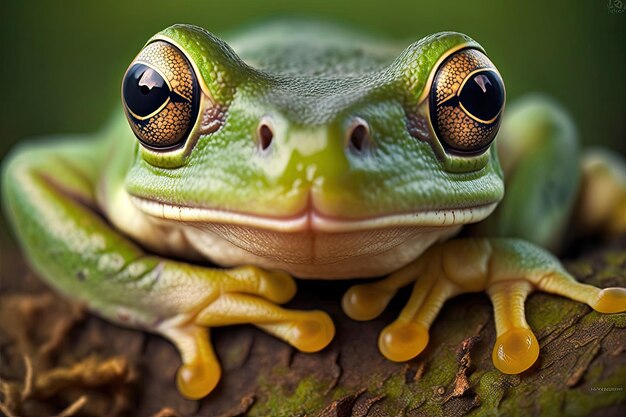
x,y
455,126
310,99
170,125
173,64
58,192
99,218
306,107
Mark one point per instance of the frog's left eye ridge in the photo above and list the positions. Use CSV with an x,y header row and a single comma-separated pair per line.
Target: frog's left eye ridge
x,y
161,96
466,102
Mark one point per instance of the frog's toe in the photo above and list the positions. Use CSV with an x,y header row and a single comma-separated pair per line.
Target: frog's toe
x,y
516,347
279,287
407,337
311,333
200,371
308,331
610,300
515,351
197,380
366,301
276,286
401,341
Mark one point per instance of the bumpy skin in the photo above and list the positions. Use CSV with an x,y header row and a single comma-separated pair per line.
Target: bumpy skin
x,y
102,217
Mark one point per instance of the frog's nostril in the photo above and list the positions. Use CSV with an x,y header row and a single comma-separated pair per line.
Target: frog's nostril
x,y
359,135
265,134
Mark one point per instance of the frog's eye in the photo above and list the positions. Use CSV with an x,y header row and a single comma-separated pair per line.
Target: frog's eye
x,y
466,102
161,96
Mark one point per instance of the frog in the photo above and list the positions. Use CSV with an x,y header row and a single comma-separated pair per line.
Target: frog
x,y
311,150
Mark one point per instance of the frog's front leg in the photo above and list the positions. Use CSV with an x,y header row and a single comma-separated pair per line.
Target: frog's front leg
x,y
507,269
203,297
50,198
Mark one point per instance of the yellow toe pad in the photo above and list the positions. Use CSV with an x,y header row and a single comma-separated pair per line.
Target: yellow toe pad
x,y
365,302
400,341
515,351
313,333
195,381
611,300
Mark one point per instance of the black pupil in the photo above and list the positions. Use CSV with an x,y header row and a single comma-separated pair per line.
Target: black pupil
x,y
144,90
483,95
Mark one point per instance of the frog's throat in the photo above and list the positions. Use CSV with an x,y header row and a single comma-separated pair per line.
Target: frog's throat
x,y
312,220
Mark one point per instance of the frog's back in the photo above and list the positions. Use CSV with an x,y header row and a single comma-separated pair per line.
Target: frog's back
x,y
305,48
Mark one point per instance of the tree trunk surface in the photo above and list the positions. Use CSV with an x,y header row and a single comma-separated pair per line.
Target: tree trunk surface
x,y
56,359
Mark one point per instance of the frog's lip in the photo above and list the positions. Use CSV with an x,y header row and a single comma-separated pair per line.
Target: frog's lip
x,y
312,220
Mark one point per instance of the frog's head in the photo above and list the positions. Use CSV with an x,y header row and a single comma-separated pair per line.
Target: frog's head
x,y
322,165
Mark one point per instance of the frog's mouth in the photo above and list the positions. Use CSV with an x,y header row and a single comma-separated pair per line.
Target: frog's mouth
x,y
312,220
311,244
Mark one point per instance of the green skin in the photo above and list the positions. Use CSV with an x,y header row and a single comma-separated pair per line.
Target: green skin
x,y
69,199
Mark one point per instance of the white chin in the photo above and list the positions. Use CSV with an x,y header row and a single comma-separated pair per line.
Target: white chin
x,y
356,254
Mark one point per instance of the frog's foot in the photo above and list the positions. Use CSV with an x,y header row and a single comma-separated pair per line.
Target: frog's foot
x,y
244,295
601,204
406,337
516,348
507,269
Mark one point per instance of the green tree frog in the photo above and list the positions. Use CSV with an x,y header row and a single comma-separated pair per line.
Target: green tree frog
x,y
310,150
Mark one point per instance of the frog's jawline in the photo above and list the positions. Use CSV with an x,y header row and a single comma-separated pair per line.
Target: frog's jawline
x,y
313,221
310,244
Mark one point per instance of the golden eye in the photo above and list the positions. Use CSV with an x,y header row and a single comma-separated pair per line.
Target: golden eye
x,y
466,102
161,96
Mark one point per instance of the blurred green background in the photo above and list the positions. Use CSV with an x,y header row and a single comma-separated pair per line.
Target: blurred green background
x,y
62,61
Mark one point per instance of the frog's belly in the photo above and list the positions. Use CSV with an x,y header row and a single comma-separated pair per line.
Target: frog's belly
x,y
307,254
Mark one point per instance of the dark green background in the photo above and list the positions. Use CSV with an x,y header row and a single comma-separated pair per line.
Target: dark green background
x,y
62,61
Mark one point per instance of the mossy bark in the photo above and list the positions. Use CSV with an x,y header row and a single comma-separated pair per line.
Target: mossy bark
x,y
97,368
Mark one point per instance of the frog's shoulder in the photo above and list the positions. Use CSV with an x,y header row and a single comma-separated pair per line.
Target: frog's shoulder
x,y
305,47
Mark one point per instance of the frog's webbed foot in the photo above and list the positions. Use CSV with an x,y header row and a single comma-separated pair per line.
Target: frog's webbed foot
x,y
507,269
241,295
406,337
